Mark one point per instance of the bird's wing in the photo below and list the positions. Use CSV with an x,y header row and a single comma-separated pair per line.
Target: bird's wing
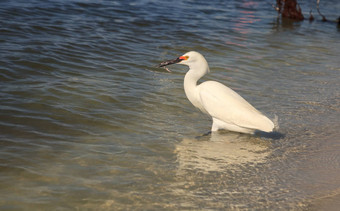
x,y
226,105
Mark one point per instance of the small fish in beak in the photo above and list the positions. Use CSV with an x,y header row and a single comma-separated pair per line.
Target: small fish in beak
x,y
169,62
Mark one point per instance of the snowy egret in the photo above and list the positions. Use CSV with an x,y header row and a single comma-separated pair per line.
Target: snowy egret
x,y
228,109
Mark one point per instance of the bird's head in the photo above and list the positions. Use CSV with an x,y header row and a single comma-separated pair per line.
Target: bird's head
x,y
190,59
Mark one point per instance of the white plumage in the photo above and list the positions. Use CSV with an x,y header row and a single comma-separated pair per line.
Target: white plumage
x,y
228,109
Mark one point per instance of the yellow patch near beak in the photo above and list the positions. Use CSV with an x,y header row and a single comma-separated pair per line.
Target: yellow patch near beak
x,y
184,57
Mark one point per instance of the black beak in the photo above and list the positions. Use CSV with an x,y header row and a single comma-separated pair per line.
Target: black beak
x,y
169,62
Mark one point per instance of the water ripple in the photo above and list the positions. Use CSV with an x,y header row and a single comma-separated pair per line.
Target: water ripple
x,y
88,122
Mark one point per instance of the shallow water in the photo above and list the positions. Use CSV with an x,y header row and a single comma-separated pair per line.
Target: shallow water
x,y
88,122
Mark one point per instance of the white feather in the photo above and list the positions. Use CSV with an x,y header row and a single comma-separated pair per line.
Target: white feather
x,y
225,105
227,108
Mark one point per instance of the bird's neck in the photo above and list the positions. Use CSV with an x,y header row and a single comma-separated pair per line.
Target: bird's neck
x,y
195,73
190,83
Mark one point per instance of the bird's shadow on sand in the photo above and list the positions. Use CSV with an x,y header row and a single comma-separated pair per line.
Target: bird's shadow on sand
x,y
272,135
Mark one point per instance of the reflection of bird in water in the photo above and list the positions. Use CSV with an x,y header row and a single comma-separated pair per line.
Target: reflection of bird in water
x,y
222,151
228,109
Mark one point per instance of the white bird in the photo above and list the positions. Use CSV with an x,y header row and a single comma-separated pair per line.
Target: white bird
x,y
228,109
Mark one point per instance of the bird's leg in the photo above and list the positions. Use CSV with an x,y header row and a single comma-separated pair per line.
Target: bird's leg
x,y
214,126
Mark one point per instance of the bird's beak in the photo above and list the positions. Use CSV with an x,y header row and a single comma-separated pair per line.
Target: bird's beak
x,y
169,62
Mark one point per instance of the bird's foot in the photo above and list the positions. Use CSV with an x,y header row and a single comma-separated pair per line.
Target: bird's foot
x,y
203,135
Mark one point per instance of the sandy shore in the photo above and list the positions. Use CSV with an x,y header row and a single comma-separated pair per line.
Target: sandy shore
x,y
329,203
